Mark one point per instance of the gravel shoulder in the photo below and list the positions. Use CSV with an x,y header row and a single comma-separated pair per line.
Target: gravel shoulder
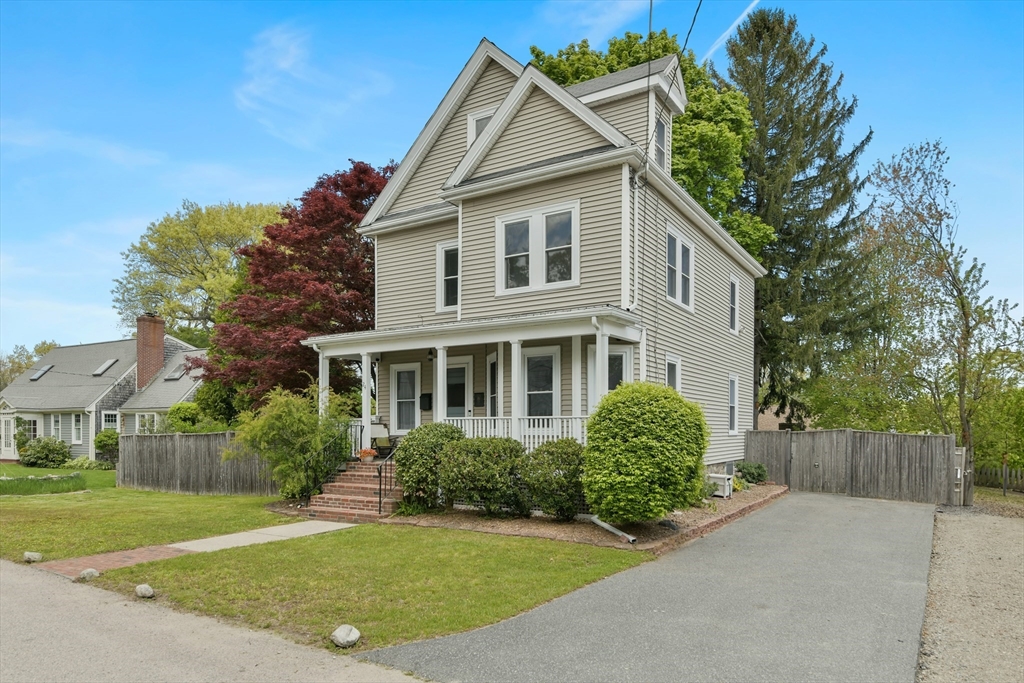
x,y
974,619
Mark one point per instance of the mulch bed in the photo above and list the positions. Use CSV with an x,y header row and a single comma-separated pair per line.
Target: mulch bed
x,y
650,536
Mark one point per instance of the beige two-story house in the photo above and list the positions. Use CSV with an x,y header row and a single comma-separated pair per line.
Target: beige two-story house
x,y
533,251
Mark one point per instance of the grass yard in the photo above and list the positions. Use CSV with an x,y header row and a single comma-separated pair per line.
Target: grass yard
x,y
1011,505
107,519
393,583
38,485
94,479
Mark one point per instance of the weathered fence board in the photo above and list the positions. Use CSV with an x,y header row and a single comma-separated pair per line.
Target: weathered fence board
x,y
909,467
190,463
993,476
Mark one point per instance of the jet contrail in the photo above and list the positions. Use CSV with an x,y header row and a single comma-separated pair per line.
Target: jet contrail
x,y
728,32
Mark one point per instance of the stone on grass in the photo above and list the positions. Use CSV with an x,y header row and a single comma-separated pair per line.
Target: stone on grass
x,y
345,636
144,590
33,557
88,574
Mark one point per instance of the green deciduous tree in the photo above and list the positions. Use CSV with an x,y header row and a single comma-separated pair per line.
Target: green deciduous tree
x,y
708,141
21,359
185,265
801,180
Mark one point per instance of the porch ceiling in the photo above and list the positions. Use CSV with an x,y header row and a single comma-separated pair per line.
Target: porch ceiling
x,y
613,321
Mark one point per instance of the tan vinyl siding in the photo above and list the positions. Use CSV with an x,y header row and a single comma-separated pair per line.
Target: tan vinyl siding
x,y
709,352
406,276
384,381
629,115
450,146
541,129
600,196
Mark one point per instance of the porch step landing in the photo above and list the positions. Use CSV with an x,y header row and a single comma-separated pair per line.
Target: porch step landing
x,y
352,496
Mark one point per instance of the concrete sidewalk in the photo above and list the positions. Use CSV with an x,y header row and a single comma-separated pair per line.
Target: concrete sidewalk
x,y
73,566
56,631
812,588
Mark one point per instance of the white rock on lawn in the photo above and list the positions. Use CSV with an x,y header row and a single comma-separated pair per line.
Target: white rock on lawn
x,y
144,590
345,636
88,574
33,557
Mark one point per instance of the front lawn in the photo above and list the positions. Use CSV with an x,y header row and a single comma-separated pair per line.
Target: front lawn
x,y
107,519
94,479
393,583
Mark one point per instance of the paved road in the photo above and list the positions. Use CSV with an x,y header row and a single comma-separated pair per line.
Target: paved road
x,y
54,630
812,588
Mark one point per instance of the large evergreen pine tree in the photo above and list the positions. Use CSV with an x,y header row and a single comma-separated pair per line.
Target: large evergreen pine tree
x,y
801,181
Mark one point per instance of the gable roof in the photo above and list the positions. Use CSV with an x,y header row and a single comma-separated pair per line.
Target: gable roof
x,y
70,383
666,78
161,393
485,53
531,79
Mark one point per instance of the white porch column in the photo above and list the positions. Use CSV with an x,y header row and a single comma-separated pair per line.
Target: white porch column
x,y
601,371
517,388
577,376
501,379
441,383
367,391
323,381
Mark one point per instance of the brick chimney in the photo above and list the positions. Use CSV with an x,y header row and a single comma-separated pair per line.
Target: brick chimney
x,y
149,347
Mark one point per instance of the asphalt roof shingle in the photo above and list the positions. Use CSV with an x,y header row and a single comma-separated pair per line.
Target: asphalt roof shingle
x,y
611,80
162,393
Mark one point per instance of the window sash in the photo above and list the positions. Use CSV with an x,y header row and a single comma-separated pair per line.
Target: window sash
x,y
492,388
732,405
450,277
672,373
659,142
55,426
679,268
76,428
110,420
538,249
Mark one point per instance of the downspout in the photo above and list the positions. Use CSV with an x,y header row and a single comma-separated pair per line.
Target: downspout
x,y
636,247
605,525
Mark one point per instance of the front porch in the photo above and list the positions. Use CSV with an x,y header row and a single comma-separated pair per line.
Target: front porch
x,y
534,378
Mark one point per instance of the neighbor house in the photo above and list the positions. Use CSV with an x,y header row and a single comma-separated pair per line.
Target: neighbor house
x,y
145,410
73,392
533,251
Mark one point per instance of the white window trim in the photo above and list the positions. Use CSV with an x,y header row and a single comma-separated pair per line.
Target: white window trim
x,y
734,323
77,428
55,426
537,260
681,240
439,277
627,370
734,430
666,146
556,399
489,388
673,358
393,395
138,423
471,120
117,420
468,362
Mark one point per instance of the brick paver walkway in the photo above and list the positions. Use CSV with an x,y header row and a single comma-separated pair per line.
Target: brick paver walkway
x,y
72,567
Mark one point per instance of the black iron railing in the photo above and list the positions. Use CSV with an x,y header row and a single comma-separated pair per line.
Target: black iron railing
x,y
323,464
385,480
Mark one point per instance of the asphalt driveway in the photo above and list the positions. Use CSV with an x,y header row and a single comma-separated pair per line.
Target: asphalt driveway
x,y
812,588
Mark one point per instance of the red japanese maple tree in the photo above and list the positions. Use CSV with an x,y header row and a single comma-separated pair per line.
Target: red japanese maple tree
x,y
311,275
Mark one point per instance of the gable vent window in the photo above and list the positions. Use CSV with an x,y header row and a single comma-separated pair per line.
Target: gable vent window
x,y
40,372
177,373
660,143
103,368
476,123
538,249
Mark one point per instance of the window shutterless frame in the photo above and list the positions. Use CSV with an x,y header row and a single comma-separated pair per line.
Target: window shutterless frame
x,y
680,258
537,249
76,428
110,420
661,143
734,301
733,415
55,426
405,399
673,363
476,122
449,265
620,369
492,385
542,392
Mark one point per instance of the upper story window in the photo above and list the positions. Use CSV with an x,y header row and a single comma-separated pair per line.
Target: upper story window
x,y
734,324
476,123
679,269
447,276
661,143
538,249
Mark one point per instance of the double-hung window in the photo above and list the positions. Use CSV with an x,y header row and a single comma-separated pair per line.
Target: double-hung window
x,y
55,426
543,395
538,249
447,276
661,143
405,391
679,256
672,364
734,323
110,420
76,428
733,426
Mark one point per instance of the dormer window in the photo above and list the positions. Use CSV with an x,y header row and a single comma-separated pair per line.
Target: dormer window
x,y
660,143
476,123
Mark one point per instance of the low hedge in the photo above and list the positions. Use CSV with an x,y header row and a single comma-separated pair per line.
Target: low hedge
x,y
84,463
45,452
553,474
417,462
484,472
753,472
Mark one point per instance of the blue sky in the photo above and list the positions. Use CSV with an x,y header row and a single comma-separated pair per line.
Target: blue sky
x,y
112,113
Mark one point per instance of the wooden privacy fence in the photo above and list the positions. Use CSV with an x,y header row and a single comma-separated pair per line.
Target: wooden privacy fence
x,y
910,467
190,463
993,476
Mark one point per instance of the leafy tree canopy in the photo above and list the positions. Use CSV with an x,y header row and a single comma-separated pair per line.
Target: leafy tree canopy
x,y
21,359
185,265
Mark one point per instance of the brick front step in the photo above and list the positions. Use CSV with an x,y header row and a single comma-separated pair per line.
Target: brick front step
x,y
358,503
337,515
352,495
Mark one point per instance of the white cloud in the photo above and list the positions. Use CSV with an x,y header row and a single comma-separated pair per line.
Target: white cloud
x,y
25,135
596,20
294,100
728,32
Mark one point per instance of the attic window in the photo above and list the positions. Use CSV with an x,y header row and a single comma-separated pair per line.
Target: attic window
x,y
476,123
659,143
177,373
103,368
42,371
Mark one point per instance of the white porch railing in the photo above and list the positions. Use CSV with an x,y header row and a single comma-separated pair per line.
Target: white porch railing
x,y
533,431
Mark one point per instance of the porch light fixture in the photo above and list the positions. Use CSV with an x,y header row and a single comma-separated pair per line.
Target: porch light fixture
x,y
430,355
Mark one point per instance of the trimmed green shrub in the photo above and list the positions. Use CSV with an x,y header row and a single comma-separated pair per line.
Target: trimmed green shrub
x,y
553,474
84,463
45,452
485,473
645,454
752,472
107,443
417,461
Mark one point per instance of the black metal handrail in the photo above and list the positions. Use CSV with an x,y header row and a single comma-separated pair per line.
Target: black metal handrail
x,y
324,463
385,480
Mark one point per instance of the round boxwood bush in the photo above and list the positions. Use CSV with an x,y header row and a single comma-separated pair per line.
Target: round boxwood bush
x,y
645,454
485,472
45,452
417,461
753,472
107,443
553,474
